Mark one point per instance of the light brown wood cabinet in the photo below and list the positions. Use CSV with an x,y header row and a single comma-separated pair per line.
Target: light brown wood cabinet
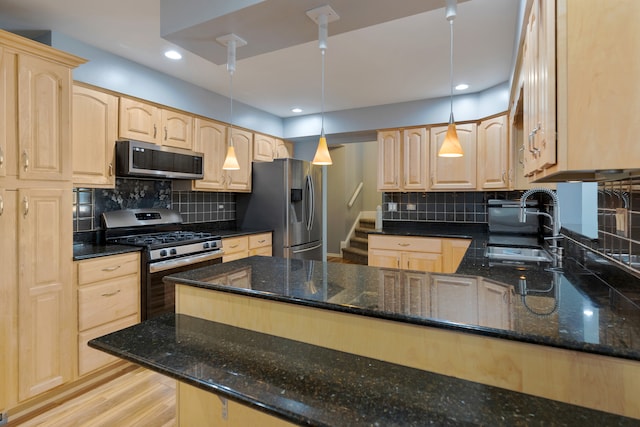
x,y
35,218
94,134
147,122
284,149
416,253
453,173
108,293
238,247
240,180
403,160
494,171
264,148
405,292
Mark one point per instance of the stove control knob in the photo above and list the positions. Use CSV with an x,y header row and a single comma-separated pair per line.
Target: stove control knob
x,y
173,251
163,253
205,245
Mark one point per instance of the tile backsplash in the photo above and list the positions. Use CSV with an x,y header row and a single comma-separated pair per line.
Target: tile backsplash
x,y
470,206
195,206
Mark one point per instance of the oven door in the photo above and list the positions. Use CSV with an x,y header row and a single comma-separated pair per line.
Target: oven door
x,y
159,297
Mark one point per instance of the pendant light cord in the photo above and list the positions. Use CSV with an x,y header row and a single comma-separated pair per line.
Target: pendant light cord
x,y
231,108
322,102
451,69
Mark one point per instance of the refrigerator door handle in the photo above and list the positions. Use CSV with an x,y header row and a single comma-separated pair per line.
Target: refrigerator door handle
x,y
310,202
307,249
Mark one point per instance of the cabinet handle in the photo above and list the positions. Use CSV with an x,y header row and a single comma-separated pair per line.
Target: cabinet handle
x,y
25,204
521,150
431,181
1,205
110,294
114,268
261,241
155,131
165,133
504,176
1,157
110,169
233,246
25,157
404,245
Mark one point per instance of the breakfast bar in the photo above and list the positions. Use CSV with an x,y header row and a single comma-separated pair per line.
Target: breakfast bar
x,y
334,344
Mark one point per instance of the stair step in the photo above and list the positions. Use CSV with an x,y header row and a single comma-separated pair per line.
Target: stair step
x,y
355,255
367,223
359,243
363,232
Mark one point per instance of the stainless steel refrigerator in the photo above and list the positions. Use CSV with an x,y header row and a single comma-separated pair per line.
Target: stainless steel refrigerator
x,y
286,197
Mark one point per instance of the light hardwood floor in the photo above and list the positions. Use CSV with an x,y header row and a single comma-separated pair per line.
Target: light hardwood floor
x,y
140,398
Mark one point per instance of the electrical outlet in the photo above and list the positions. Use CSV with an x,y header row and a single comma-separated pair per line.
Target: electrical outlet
x,y
411,206
220,207
393,207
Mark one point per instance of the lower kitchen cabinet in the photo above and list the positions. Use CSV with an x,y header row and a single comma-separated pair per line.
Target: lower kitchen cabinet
x,y
239,247
416,253
108,300
495,302
404,292
197,407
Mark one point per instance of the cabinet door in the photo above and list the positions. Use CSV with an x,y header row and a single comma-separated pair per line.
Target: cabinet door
x,y
139,121
177,129
384,258
284,149
7,108
417,294
240,180
493,154
454,173
263,148
421,261
494,305
94,134
415,149
45,316
453,250
210,139
389,160
8,299
240,279
455,298
44,119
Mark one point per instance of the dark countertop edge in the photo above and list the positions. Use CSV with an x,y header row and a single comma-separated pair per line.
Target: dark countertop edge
x,y
434,323
244,232
432,229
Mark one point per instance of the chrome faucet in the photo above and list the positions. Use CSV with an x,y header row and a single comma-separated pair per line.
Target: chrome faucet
x,y
555,219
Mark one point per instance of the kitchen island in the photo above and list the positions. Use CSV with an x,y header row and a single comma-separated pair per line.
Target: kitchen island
x,y
403,318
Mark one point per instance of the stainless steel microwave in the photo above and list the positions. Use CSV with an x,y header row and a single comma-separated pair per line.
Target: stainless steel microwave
x,y
142,159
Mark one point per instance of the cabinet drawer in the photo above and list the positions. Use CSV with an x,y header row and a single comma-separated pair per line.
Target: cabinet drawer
x,y
402,243
107,301
108,267
264,251
232,245
90,359
259,240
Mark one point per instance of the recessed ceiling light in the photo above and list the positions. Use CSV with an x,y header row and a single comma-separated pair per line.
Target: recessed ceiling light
x,y
173,54
462,86
296,110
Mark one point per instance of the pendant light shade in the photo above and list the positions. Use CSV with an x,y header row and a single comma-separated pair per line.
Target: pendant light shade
x,y
231,41
451,145
322,16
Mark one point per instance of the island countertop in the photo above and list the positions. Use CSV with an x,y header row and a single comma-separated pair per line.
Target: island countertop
x,y
569,308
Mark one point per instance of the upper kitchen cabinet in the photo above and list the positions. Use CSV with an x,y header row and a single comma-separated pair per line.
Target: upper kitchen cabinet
x,y
403,158
590,87
493,154
454,173
7,112
94,134
144,121
211,140
264,148
284,149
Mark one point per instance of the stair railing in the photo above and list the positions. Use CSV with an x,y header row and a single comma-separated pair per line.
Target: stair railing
x,y
355,195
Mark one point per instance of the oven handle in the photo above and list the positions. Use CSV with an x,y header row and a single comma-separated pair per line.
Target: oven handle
x,y
154,267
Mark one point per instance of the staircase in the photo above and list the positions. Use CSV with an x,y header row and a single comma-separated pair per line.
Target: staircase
x,y
357,251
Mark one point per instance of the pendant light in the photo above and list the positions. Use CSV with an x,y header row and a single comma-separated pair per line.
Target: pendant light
x,y
322,16
451,145
231,41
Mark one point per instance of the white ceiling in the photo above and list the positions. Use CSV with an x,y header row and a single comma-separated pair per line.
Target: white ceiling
x,y
401,60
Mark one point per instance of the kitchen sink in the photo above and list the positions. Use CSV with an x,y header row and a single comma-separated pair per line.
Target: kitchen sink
x,y
521,254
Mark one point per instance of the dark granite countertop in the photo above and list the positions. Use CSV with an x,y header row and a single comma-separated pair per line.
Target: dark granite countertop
x,y
571,308
310,385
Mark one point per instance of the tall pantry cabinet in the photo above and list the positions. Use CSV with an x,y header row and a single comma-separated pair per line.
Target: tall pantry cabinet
x,y
37,320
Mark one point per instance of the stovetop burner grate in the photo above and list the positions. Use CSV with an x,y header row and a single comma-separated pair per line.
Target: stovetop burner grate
x,y
153,239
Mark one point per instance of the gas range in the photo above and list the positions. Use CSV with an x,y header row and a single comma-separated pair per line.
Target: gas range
x,y
168,249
